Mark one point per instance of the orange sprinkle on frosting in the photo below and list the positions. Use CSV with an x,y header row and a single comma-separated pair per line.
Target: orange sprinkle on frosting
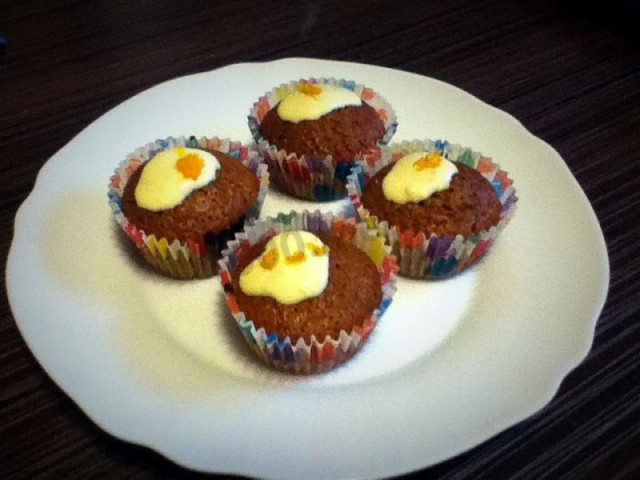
x,y
310,89
298,257
269,259
433,160
316,250
190,166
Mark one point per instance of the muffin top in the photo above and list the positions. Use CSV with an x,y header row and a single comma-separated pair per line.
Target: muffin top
x,y
468,205
320,120
353,291
210,208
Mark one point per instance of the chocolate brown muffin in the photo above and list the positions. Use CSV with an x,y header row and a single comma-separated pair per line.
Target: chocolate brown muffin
x,y
354,291
342,133
209,210
468,206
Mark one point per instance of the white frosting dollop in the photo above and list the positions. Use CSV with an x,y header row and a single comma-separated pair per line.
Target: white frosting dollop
x,y
417,176
310,101
170,176
293,267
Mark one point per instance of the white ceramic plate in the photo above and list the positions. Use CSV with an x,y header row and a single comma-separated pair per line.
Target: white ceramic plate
x,y
159,362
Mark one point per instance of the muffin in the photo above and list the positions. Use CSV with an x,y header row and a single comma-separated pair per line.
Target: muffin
x,y
307,289
441,206
313,130
181,200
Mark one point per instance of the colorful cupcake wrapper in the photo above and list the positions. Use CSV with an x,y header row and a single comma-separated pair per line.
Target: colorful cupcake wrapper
x,y
319,355
313,178
190,258
434,257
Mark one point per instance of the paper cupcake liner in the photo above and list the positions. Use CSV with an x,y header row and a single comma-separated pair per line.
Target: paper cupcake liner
x,y
313,178
319,355
190,258
434,257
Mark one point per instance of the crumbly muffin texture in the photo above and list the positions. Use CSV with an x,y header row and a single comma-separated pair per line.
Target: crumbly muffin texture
x,y
469,205
342,133
354,291
212,209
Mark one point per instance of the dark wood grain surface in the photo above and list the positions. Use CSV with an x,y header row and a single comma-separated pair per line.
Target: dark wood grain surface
x,y
569,73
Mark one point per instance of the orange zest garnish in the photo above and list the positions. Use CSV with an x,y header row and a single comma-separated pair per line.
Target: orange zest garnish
x,y
310,89
297,257
316,250
269,259
190,166
432,160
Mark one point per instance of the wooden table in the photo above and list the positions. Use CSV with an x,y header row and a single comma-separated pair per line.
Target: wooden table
x,y
569,74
